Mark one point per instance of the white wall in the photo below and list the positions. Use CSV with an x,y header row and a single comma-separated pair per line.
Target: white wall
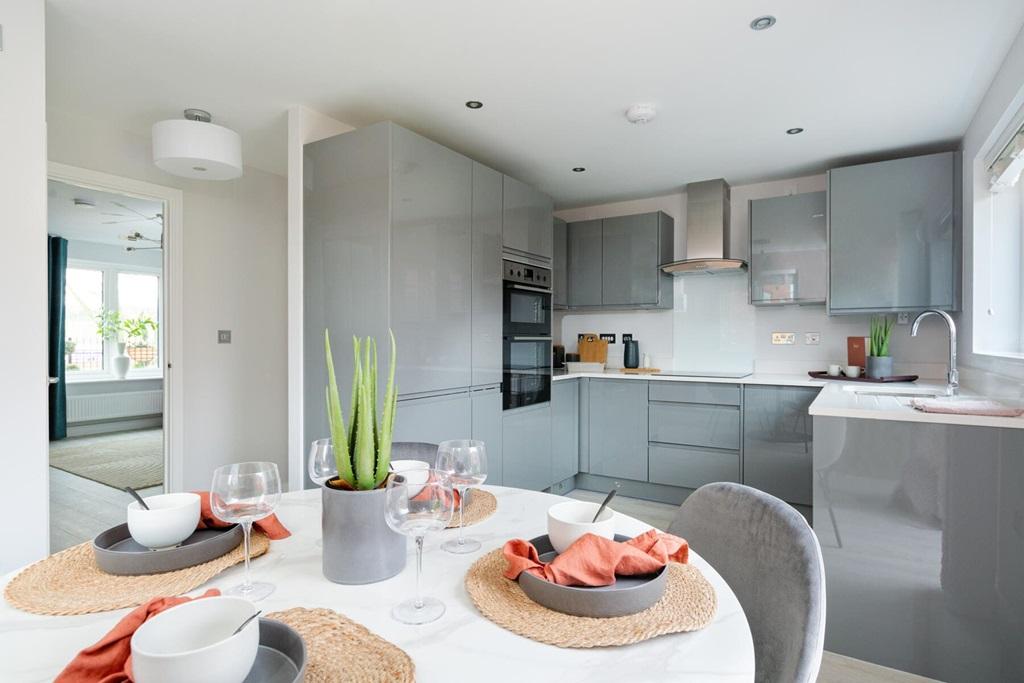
x,y
23,409
712,327
234,278
1001,102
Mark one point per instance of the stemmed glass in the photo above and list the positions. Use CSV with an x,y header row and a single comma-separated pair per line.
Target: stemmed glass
x,y
322,467
464,462
245,493
415,509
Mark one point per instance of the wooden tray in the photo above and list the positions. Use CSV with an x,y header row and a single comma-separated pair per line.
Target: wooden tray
x,y
871,380
639,371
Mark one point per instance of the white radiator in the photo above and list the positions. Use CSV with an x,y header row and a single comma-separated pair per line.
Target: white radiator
x,y
94,407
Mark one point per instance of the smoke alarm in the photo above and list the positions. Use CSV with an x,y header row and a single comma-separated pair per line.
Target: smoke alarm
x,y
641,113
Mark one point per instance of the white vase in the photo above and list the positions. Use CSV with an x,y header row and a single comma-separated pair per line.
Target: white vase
x,y
121,362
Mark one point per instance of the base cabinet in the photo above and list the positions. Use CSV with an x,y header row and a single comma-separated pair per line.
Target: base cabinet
x,y
486,407
526,447
565,425
777,441
618,428
434,419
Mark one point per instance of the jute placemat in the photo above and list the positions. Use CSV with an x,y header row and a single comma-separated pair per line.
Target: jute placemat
x,y
340,650
482,504
70,582
689,604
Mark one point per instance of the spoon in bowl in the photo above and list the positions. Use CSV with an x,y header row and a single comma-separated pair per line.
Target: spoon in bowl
x,y
607,499
136,496
246,622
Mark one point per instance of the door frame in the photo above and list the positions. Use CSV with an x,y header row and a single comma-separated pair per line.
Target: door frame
x,y
173,334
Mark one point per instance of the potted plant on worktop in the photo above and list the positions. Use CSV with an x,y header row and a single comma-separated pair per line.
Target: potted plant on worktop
x,y
879,360
359,546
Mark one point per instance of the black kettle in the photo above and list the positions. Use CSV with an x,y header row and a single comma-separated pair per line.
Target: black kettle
x,y
631,353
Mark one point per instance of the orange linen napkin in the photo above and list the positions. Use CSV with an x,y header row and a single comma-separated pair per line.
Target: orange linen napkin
x,y
109,659
594,560
269,525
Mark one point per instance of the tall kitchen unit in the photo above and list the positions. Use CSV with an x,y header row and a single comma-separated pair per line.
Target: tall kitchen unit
x,y
402,233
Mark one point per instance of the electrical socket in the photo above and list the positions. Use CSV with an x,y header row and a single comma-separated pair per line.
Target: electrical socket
x,y
902,318
223,336
812,338
627,337
608,337
783,338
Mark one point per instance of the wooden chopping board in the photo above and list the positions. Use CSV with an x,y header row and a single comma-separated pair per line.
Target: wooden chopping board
x,y
593,349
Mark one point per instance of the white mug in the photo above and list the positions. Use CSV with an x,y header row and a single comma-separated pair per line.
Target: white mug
x,y
834,370
853,371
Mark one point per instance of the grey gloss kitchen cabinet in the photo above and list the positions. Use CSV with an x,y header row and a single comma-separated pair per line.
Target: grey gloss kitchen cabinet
x,y
618,428
526,222
632,249
894,235
486,276
559,265
565,425
584,263
486,427
788,249
777,441
526,447
434,419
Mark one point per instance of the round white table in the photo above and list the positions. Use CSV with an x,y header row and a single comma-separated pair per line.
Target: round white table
x,y
461,646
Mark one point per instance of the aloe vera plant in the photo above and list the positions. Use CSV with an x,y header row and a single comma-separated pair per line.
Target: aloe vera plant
x,y
881,332
362,452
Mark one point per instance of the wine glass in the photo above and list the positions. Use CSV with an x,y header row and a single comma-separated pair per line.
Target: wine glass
x,y
415,509
320,462
465,464
244,493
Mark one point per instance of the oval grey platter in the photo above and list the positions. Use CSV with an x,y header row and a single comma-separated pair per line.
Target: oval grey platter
x,y
117,553
628,595
281,657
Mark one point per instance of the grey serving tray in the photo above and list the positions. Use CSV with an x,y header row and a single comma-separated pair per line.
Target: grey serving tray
x,y
281,657
117,553
628,595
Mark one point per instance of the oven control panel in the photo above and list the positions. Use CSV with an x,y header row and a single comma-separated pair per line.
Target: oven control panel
x,y
526,274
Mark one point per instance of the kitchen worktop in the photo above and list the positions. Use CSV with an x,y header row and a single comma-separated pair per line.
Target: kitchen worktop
x,y
787,380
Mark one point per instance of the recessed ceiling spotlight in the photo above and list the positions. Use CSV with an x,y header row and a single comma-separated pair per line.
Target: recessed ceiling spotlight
x,y
794,131
578,169
761,23
641,113
473,104
84,203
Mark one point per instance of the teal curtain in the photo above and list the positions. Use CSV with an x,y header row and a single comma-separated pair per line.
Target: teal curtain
x,y
57,265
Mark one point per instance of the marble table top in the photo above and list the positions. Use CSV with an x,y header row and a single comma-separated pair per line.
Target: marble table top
x,y
461,646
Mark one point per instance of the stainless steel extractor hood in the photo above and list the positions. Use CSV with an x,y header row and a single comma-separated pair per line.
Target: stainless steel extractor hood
x,y
707,232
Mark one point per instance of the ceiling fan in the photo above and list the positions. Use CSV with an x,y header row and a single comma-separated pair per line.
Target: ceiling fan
x,y
139,237
125,218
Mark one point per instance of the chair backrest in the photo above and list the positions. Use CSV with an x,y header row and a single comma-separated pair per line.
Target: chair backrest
x,y
770,557
414,450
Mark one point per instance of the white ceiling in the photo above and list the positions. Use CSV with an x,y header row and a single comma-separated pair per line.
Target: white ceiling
x,y
112,217
863,78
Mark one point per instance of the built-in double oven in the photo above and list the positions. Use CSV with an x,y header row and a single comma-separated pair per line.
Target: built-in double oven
x,y
527,335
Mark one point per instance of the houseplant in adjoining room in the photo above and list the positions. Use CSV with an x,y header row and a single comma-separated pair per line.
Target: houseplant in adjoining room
x,y
879,360
110,326
359,546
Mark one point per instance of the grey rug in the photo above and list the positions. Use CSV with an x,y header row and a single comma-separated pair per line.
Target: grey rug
x,y
122,459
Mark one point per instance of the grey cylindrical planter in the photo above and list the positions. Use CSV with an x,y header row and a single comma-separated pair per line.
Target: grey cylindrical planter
x,y
879,367
359,546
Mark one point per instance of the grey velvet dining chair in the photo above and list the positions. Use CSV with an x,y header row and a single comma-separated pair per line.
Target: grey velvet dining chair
x,y
414,450
770,557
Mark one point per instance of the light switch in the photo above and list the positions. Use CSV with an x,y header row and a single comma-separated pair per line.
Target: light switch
x,y
223,336
783,338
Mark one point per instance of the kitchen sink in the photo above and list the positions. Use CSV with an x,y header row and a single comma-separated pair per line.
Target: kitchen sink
x,y
901,394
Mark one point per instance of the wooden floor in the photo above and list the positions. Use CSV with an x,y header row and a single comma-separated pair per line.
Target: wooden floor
x,y
834,668
81,508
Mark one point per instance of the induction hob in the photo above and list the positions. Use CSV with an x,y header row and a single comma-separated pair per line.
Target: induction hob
x,y
704,373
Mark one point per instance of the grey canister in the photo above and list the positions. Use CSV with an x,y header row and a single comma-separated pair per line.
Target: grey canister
x,y
359,546
879,367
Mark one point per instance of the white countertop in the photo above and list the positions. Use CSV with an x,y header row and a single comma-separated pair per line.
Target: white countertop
x,y
462,645
785,380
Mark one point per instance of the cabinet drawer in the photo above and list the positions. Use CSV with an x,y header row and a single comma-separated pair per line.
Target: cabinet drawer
x,y
695,425
691,467
695,392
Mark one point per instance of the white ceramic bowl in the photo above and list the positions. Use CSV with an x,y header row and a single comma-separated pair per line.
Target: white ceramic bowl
x,y
416,473
171,519
570,520
193,642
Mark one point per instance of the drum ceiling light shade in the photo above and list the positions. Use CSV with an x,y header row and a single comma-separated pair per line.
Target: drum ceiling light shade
x,y
195,148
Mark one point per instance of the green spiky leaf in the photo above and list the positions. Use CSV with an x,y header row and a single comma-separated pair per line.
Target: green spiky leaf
x,y
336,419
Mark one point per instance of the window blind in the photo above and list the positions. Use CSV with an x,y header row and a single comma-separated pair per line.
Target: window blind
x,y
1005,170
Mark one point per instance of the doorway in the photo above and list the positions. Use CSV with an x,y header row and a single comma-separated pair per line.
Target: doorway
x,y
110,347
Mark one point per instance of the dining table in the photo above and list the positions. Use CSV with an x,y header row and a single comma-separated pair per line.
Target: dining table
x,y
462,646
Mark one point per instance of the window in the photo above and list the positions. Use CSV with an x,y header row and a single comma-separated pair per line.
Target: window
x,y
131,300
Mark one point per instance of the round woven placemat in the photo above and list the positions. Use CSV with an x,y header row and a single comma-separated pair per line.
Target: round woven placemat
x,y
689,604
70,582
338,649
482,504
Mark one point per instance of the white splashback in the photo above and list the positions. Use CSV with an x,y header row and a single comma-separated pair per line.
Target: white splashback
x,y
713,327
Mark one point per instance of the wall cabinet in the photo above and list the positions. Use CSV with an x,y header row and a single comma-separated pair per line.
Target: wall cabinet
x,y
526,447
526,220
777,439
894,235
565,426
618,428
614,263
559,265
788,249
